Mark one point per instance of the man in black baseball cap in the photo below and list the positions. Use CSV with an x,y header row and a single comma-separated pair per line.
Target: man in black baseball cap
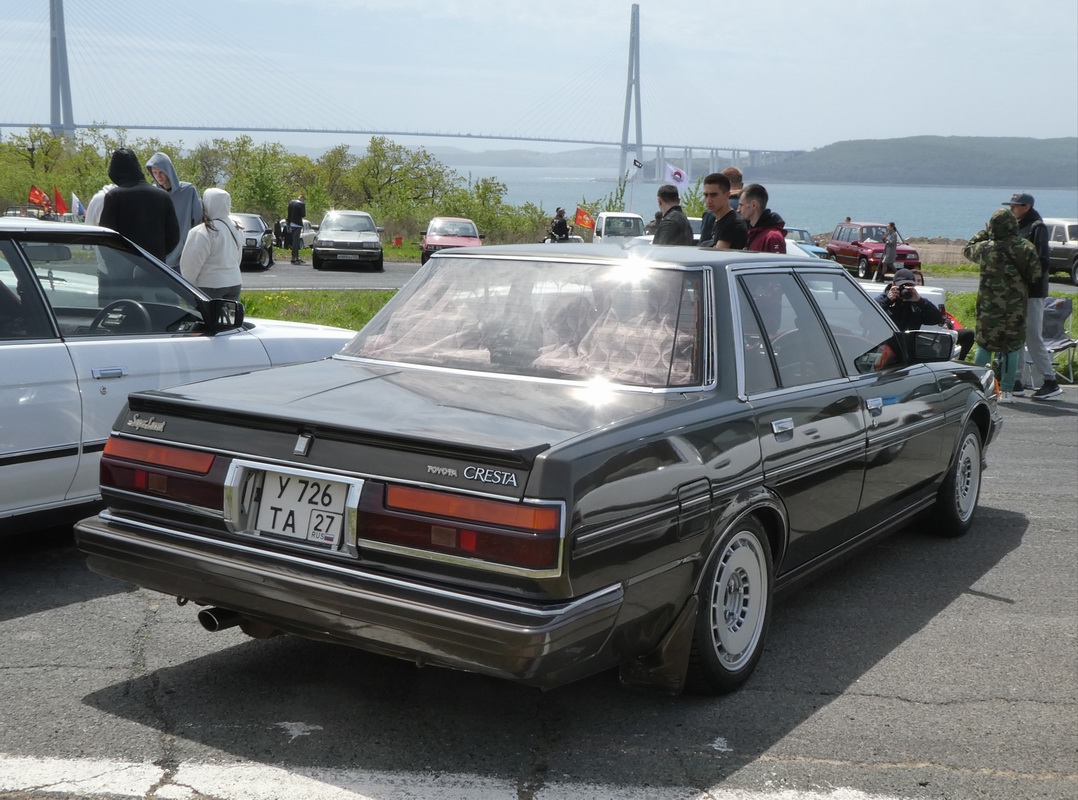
x,y
905,306
1031,227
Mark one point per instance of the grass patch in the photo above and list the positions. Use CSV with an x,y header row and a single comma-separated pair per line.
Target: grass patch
x,y
345,309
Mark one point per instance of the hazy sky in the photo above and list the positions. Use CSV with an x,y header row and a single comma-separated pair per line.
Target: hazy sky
x,y
788,74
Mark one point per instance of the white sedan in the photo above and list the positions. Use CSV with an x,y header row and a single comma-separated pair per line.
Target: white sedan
x,y
86,317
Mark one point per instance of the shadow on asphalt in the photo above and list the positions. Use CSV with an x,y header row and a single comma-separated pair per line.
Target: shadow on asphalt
x,y
43,569
381,714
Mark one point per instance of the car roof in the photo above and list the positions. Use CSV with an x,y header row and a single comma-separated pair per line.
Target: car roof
x,y
689,256
1059,221
451,219
348,212
46,226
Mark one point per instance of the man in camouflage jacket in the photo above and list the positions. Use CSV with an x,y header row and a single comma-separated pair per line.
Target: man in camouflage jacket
x,y
1009,264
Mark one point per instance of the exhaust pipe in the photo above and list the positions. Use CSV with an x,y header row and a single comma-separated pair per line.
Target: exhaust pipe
x,y
217,619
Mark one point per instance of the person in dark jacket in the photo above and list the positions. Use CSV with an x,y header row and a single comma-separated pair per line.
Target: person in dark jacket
x,y
767,230
137,209
297,210
1032,228
905,306
674,228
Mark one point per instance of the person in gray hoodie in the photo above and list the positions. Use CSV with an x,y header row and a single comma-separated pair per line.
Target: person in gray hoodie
x,y
185,200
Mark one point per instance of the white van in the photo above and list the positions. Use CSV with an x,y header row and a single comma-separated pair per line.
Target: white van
x,y
617,226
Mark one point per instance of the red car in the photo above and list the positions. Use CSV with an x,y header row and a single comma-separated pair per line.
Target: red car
x,y
860,245
444,232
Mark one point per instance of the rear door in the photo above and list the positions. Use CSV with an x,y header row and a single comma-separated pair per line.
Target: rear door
x,y
808,414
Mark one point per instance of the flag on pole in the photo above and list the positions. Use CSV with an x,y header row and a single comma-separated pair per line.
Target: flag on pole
x,y
61,206
638,163
583,219
676,176
37,197
77,208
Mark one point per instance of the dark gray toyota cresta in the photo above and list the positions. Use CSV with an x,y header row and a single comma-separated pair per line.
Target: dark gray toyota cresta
x,y
539,462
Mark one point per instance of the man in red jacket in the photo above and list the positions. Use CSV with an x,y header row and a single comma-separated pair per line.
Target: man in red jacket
x,y
767,230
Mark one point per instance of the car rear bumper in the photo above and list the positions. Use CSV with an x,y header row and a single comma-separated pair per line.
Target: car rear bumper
x,y
347,255
543,645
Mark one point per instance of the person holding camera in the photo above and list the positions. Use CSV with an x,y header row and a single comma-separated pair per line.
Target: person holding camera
x,y
905,306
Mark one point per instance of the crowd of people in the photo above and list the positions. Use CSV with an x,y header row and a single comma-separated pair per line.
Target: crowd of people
x,y
152,207
1011,252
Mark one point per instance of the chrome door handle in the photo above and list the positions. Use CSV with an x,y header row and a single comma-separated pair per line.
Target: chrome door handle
x,y
780,426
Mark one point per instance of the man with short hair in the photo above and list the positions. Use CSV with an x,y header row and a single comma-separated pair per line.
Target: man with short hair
x,y
728,231
737,181
1031,227
767,230
674,228
905,306
297,210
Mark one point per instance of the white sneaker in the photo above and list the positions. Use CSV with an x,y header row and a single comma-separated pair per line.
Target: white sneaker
x,y
1006,397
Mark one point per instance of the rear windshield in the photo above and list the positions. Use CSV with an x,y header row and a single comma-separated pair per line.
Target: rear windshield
x,y
637,326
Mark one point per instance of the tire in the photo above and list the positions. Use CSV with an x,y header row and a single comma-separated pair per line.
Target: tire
x,y
1074,272
264,261
736,594
956,501
379,265
316,262
862,268
423,257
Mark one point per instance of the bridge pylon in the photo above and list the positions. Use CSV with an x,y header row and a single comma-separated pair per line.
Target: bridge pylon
x,y
61,119
632,92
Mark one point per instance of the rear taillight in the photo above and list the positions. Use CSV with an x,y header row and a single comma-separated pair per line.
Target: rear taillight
x,y
164,470
498,532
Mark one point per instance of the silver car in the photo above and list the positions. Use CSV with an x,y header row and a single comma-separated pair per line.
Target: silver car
x,y
86,318
348,238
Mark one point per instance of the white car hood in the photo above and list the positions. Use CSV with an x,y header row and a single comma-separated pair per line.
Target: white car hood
x,y
292,342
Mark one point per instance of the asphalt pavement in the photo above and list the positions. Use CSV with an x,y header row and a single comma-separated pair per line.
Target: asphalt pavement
x,y
920,669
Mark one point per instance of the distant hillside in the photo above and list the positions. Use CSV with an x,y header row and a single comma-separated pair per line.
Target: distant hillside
x,y
935,161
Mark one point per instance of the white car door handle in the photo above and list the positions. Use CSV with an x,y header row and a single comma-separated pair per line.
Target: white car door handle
x,y
108,372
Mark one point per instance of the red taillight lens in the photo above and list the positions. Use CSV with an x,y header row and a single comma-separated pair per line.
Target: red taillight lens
x,y
172,472
494,531
161,455
474,509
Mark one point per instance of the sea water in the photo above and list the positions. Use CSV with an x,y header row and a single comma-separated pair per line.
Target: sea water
x,y
952,212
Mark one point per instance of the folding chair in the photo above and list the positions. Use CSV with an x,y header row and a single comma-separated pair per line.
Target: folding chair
x,y
1057,310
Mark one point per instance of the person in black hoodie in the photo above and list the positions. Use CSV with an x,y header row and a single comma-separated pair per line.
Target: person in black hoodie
x,y
138,210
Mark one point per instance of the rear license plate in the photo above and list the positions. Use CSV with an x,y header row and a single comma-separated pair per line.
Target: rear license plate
x,y
348,257
302,507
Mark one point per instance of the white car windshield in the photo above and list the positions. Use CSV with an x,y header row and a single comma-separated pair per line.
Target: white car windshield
x,y
347,222
639,325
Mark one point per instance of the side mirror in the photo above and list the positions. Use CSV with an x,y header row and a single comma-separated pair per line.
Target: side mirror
x,y
223,315
380,228
482,236
422,233
932,345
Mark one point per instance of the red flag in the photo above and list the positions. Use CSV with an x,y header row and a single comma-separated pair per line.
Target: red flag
x,y
583,219
61,206
37,197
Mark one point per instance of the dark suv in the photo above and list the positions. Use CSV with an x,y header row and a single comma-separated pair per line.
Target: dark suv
x,y
860,245
1063,246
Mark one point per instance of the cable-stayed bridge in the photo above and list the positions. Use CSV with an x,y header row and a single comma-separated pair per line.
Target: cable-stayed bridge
x,y
89,59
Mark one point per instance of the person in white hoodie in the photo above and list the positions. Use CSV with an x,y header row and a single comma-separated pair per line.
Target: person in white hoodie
x,y
211,255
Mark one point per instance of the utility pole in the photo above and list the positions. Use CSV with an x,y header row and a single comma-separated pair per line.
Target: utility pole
x,y
61,119
632,90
